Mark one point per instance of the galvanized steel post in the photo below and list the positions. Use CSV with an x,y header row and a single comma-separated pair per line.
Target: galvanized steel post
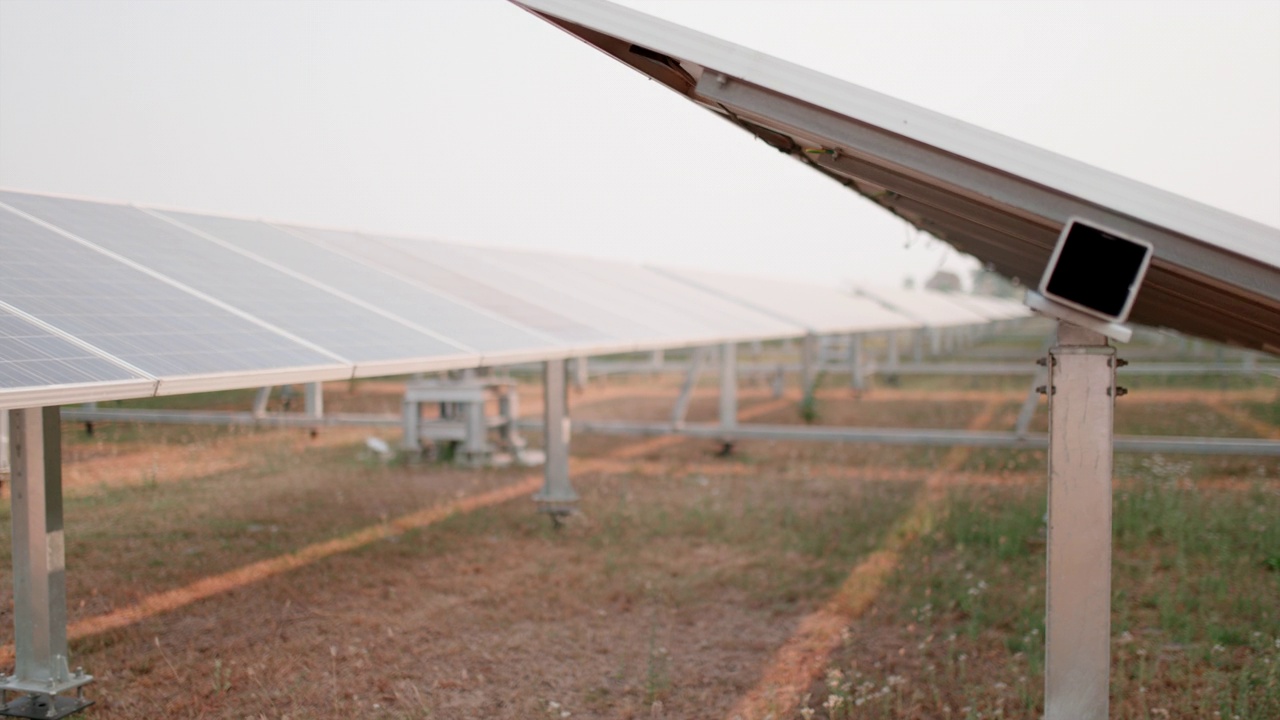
x,y
39,569
728,386
857,369
313,401
556,495
1081,391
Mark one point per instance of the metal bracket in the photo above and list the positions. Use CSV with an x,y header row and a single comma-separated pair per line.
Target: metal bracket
x,y
1039,303
40,706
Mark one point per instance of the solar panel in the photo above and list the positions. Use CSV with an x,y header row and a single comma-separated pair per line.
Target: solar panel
x,y
679,309
311,313
934,309
1214,274
412,302
489,294
131,315
34,357
821,310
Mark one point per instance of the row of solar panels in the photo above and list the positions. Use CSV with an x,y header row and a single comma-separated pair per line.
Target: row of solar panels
x,y
102,301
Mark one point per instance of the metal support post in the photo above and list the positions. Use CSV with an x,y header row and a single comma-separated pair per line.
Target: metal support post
x,y
857,369
657,359
808,364
313,401
410,417
681,408
728,392
4,441
556,496
475,445
39,572
1039,385
1081,395
935,342
580,374
917,345
260,401
892,339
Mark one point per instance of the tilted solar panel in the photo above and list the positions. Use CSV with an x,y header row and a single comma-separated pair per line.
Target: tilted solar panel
x,y
680,310
1213,274
311,313
39,361
487,294
133,316
818,309
412,302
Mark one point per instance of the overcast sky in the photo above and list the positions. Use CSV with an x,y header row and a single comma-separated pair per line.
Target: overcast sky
x,y
476,122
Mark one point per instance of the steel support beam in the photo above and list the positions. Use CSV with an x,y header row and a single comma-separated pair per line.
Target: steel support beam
x,y
1078,621
4,441
891,338
580,373
681,409
260,401
808,364
857,367
557,495
729,386
41,671
313,401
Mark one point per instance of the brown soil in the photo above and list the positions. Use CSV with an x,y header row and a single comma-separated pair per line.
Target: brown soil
x,y
272,575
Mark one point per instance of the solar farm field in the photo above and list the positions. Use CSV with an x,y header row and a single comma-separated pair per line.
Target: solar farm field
x,y
262,573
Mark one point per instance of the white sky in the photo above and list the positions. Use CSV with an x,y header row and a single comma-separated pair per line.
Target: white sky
x,y
476,122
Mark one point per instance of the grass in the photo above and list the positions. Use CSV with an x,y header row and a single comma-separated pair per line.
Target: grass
x,y
1196,626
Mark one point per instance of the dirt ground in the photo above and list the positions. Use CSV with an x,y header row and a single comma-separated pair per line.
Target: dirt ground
x,y
268,574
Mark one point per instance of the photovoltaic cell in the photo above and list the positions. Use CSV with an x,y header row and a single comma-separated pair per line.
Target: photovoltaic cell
x,y
493,292
128,314
369,284
31,356
293,305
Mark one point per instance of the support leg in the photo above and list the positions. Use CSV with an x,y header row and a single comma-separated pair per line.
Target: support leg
x,y
892,340
728,395
857,368
4,441
681,408
313,402
39,572
556,496
580,374
260,401
410,417
917,346
808,365
1078,625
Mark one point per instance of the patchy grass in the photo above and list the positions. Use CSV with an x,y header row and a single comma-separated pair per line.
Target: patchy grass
x,y
1195,624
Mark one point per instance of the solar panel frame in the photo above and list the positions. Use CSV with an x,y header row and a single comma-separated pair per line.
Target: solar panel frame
x,y
1214,274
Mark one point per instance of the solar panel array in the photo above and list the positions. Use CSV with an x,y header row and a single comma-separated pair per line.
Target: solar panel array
x,y
101,301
